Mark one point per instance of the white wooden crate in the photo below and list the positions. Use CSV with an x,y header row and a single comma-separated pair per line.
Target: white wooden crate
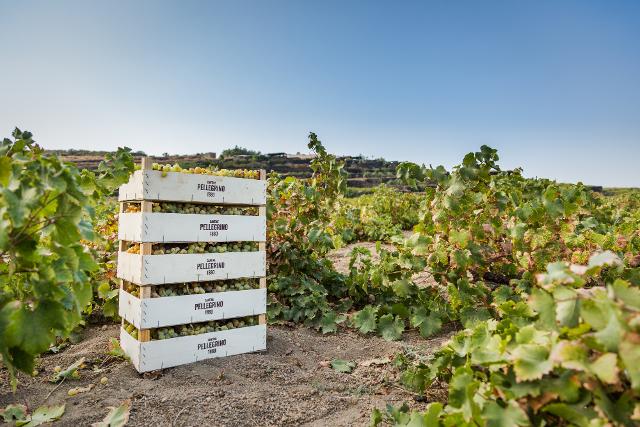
x,y
178,310
184,268
159,354
183,187
174,227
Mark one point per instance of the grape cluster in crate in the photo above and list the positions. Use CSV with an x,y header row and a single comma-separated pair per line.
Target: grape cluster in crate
x,y
195,248
238,173
192,264
176,289
194,329
193,208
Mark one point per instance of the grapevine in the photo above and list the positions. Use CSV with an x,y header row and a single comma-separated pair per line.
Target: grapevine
x,y
47,219
105,284
378,216
564,354
543,349
303,286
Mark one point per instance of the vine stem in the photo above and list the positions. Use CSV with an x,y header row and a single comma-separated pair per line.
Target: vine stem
x,y
51,392
33,215
178,415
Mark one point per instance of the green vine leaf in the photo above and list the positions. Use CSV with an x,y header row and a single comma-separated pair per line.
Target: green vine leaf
x,y
390,327
330,321
365,319
531,362
505,416
43,414
428,323
344,366
13,412
118,416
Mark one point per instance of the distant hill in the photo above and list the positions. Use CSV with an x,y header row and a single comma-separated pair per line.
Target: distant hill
x,y
363,173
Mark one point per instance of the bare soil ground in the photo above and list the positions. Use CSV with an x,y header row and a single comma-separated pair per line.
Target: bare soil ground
x,y
290,384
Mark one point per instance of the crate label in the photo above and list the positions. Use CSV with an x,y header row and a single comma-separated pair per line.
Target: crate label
x,y
211,265
211,188
214,226
211,345
208,305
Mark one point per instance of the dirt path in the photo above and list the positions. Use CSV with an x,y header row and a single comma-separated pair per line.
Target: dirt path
x,y
289,384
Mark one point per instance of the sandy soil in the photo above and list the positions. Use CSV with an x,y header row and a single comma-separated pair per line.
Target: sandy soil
x,y
289,384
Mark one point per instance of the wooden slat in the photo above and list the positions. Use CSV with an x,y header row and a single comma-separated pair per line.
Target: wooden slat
x,y
121,244
144,335
262,319
262,246
147,163
121,291
193,188
178,310
131,348
159,354
183,268
177,227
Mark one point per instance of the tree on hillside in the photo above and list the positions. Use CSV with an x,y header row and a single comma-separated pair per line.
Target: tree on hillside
x,y
236,151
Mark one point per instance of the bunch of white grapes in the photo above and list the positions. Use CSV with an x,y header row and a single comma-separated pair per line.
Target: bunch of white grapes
x,y
196,248
192,208
236,173
134,248
203,287
131,330
132,207
202,328
132,289
204,248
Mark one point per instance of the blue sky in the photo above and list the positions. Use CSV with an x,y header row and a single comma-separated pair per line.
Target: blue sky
x,y
553,85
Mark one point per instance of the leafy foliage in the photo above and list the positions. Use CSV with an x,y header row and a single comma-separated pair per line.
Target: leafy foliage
x,y
554,351
568,356
303,285
381,215
47,209
496,226
237,150
389,298
104,283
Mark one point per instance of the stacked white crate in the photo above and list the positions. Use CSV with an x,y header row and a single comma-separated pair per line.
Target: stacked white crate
x,y
148,186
